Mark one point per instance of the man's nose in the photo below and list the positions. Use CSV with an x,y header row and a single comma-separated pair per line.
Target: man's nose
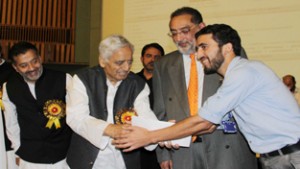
x,y
178,37
126,66
30,66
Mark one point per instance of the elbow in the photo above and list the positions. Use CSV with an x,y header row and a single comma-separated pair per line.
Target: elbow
x,y
209,127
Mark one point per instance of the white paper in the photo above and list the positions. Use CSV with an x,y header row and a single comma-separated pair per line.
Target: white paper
x,y
155,125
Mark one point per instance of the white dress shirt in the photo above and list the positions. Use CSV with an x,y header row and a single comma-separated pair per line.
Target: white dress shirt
x,y
265,110
91,128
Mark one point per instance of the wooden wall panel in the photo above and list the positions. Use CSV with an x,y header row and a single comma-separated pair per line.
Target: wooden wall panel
x,y
49,24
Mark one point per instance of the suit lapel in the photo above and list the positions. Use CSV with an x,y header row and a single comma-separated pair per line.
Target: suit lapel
x,y
176,73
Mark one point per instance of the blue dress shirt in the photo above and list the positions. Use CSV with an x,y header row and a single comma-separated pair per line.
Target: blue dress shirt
x,y
265,110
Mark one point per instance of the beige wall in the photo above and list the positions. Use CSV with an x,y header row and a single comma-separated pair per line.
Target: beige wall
x,y
276,19
112,17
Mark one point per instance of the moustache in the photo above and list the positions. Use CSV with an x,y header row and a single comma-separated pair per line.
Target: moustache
x,y
151,63
31,71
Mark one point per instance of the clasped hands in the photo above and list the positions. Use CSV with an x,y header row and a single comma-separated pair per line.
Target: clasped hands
x,y
129,138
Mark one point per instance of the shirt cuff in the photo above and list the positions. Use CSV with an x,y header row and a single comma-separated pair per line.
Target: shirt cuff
x,y
151,147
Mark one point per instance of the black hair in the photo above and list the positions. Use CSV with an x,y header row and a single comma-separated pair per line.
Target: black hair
x,y
21,48
153,45
196,15
223,34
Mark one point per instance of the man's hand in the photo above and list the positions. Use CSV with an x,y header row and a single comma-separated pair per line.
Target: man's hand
x,y
209,130
115,130
132,138
168,144
18,161
166,164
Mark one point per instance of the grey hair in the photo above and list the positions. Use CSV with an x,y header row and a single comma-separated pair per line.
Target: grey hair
x,y
111,44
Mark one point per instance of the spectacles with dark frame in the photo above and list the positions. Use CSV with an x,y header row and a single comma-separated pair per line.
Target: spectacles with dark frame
x,y
185,31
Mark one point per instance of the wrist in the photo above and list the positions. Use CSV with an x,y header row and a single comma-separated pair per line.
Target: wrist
x,y
153,139
109,130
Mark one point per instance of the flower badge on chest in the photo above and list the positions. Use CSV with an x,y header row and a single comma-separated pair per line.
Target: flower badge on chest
x,y
54,110
124,115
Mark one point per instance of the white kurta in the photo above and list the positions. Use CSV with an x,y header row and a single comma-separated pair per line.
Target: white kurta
x,y
91,128
2,144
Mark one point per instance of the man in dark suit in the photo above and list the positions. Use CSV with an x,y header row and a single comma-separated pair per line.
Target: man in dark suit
x,y
170,83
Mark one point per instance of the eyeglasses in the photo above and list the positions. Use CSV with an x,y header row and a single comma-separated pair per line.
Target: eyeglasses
x,y
185,31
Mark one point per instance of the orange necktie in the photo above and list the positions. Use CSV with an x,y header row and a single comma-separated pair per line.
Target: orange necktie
x,y
193,89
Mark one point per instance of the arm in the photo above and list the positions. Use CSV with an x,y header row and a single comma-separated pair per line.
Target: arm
x,y
11,120
95,130
142,107
139,137
142,104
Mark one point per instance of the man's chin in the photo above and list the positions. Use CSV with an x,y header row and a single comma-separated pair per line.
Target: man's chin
x,y
185,51
150,69
122,77
31,79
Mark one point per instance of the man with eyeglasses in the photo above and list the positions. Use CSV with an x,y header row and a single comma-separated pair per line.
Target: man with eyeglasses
x,y
218,150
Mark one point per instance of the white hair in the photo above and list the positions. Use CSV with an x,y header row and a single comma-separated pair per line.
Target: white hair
x,y
111,44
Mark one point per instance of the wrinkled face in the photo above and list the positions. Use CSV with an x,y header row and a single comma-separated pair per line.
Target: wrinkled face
x,y
29,65
209,53
151,55
183,31
117,67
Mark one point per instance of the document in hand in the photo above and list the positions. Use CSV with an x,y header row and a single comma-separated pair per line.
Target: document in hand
x,y
155,125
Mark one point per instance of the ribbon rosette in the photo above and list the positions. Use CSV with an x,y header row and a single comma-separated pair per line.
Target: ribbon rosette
x,y
124,115
1,103
54,110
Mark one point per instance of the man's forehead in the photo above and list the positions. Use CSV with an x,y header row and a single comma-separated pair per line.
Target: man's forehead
x,y
205,38
180,21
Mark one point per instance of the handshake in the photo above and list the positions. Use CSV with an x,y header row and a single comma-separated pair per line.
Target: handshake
x,y
138,133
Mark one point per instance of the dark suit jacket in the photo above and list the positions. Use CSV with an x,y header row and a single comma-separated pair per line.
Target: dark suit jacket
x,y
222,151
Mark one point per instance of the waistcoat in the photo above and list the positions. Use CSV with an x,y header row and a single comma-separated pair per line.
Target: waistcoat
x,y
40,144
82,154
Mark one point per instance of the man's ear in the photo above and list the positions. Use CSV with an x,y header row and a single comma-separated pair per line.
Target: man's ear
x,y
227,49
14,66
40,59
141,58
202,25
102,62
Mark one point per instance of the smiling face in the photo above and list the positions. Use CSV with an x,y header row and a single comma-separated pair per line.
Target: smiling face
x,y
29,65
209,53
182,31
117,67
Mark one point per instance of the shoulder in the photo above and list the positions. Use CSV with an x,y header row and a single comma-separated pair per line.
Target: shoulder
x,y
54,74
134,77
169,59
140,73
89,73
170,56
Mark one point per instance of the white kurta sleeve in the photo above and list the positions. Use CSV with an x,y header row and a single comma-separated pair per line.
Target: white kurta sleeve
x,y
78,115
11,120
142,107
